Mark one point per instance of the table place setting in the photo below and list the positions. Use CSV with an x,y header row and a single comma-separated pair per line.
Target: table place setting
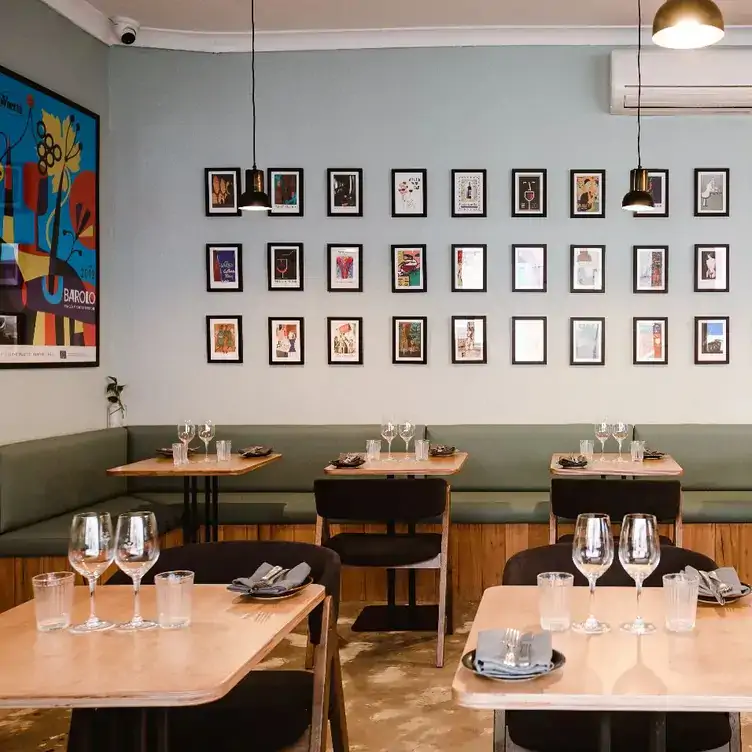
x,y
719,587
348,460
441,450
256,450
573,462
271,582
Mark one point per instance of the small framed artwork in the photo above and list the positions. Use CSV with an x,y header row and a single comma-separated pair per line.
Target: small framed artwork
x,y
344,268
409,193
650,341
468,193
469,340
587,268
224,267
650,268
711,339
409,272
221,191
224,339
284,266
286,191
286,342
409,338
587,341
529,268
658,189
529,193
587,194
529,341
345,192
469,268
712,268
345,341
12,328
712,192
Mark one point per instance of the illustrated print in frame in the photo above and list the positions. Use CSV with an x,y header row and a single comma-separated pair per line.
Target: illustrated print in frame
x,y
712,192
409,272
529,268
711,340
529,340
658,189
11,329
587,341
345,338
409,337
529,193
469,339
221,191
344,265
285,266
469,268
468,193
286,190
587,194
409,193
224,339
650,268
224,267
286,341
587,269
650,341
344,192
712,272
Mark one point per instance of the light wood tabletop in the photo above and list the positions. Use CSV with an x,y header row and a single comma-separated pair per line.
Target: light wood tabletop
x,y
190,666
649,468
404,464
696,671
197,466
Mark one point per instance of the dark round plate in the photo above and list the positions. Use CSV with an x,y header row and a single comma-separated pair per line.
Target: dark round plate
x,y
468,661
248,454
442,452
708,600
345,465
282,596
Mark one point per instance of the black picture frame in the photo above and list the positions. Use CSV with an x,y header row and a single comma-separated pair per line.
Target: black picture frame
x,y
478,212
573,268
473,361
636,289
231,211
544,279
275,360
572,357
278,285
345,320
331,286
574,203
422,360
517,195
636,321
421,249
699,193
519,362
281,209
209,349
238,249
666,209
455,271
423,173
699,320
332,210
701,284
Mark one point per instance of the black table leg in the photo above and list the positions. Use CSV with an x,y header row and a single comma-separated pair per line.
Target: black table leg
x,y
658,732
215,507
187,522
194,510
411,596
141,742
391,575
207,510
604,733
163,729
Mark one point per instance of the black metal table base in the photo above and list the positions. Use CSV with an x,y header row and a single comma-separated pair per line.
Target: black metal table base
x,y
397,619
191,521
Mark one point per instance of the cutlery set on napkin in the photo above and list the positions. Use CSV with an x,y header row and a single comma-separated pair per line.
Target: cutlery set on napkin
x,y
271,581
351,459
721,585
255,451
573,462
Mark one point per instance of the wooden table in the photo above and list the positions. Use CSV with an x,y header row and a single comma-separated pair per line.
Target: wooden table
x,y
617,671
197,467
647,469
404,464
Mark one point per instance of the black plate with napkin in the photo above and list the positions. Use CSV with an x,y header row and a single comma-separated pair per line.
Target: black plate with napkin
x,y
441,450
653,454
348,460
571,463
167,451
260,585
255,451
723,583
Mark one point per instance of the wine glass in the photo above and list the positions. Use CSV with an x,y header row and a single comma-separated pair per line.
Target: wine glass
x,y
620,431
91,549
639,554
136,551
389,433
282,267
186,432
406,431
602,432
592,554
206,431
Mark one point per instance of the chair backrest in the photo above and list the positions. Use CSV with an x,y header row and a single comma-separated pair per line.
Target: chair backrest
x,y
573,496
524,567
380,500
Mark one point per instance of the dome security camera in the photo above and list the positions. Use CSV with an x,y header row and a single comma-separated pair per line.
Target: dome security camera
x,y
126,29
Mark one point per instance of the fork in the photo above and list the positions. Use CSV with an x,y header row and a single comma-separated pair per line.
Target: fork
x,y
511,641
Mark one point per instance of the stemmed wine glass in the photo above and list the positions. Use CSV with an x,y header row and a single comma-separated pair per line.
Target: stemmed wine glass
x,y
406,431
136,551
282,267
91,549
592,554
620,431
602,432
389,433
186,432
639,554
206,432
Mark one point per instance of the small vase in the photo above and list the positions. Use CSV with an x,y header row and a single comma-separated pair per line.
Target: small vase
x,y
116,418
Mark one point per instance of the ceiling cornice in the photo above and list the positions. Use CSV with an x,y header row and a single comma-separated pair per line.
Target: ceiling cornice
x,y
96,23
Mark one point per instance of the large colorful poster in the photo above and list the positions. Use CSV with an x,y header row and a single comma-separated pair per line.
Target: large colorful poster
x,y
49,231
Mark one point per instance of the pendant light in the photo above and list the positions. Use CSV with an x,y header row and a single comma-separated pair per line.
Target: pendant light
x,y
638,199
688,24
254,198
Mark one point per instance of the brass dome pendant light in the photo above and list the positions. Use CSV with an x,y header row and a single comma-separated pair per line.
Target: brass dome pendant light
x,y
688,24
253,197
638,199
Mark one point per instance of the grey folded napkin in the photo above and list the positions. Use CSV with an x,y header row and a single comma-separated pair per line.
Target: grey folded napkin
x,y
491,650
727,575
252,585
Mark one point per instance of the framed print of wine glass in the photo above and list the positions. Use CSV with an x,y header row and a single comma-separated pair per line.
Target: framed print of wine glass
x,y
409,337
344,268
224,267
468,193
468,268
529,193
224,339
587,341
285,266
711,339
650,268
469,339
650,341
409,273
712,192
345,192
409,193
286,191
221,191
587,268
658,189
345,341
712,268
587,194
529,340
529,268
286,342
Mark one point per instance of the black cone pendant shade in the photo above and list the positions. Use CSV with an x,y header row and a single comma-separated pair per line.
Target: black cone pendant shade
x,y
688,24
638,199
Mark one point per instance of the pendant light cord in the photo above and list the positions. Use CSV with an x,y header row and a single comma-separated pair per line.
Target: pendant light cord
x,y
253,76
639,83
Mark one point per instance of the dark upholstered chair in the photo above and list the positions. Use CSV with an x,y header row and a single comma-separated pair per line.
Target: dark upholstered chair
x,y
407,501
616,498
271,710
570,731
